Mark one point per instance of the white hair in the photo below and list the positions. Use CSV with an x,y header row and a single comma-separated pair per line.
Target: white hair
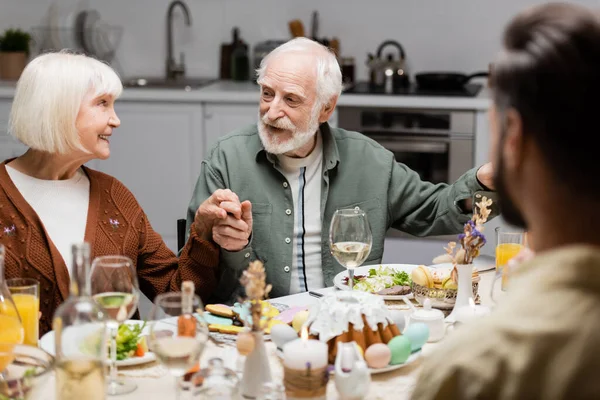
x,y
329,74
49,95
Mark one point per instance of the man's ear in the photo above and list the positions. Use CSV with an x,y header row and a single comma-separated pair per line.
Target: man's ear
x,y
513,145
327,110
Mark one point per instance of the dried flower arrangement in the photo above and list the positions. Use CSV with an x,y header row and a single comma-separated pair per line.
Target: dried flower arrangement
x,y
471,240
254,281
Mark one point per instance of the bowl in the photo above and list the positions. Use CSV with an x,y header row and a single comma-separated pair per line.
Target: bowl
x,y
440,298
24,377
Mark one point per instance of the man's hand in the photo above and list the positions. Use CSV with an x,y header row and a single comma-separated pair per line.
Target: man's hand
x,y
233,232
485,175
210,211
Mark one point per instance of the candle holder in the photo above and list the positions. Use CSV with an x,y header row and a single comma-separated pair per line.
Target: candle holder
x,y
308,383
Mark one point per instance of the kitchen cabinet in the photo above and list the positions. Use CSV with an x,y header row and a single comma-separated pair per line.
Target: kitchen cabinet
x,y
221,119
152,153
9,147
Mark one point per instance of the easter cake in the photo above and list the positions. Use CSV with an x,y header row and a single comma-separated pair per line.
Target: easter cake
x,y
351,316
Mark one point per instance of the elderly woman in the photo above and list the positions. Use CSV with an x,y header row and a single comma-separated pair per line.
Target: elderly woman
x,y
63,110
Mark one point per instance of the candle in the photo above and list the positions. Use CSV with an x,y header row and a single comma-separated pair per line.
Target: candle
x,y
303,353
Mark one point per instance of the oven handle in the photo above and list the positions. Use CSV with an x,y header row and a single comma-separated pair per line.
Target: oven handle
x,y
410,145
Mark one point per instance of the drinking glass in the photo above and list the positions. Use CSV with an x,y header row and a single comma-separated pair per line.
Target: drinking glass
x,y
11,332
508,245
26,295
180,350
350,239
114,287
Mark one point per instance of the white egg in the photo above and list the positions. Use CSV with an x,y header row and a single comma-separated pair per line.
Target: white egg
x,y
399,318
282,334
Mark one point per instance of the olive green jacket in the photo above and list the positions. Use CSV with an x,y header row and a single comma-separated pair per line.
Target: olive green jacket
x,y
357,171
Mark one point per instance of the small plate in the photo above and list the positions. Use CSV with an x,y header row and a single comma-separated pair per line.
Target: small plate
x,y
338,280
374,371
47,344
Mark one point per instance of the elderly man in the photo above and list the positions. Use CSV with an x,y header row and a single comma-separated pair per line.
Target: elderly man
x,y
292,171
542,342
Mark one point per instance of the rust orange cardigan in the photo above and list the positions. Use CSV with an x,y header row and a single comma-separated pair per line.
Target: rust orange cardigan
x,y
31,254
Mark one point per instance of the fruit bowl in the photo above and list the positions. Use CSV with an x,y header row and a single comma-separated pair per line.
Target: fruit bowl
x,y
440,298
26,373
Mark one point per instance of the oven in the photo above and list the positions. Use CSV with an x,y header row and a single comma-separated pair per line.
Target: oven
x,y
437,144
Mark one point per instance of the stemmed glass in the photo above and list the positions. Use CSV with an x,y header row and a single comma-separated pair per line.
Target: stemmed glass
x,y
350,239
114,287
180,347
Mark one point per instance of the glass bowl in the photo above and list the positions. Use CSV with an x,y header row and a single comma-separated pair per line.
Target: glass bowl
x,y
24,377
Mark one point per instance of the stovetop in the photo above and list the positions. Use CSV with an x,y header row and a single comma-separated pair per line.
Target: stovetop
x,y
469,90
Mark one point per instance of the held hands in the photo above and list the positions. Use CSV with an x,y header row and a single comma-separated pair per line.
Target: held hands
x,y
224,219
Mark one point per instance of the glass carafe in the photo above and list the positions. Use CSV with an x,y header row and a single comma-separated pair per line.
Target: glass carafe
x,y
11,329
80,337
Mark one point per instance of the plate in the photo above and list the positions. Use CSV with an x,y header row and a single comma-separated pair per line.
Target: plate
x,y
338,281
374,371
47,344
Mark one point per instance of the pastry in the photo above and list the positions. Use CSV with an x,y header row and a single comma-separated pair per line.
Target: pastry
x,y
351,316
219,310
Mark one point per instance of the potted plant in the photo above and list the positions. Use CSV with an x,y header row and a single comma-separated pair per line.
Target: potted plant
x,y
14,50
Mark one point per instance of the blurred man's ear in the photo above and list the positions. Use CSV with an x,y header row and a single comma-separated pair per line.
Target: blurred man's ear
x,y
327,110
513,143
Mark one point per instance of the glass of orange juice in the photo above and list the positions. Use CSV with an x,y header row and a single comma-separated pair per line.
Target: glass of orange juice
x,y
508,245
26,295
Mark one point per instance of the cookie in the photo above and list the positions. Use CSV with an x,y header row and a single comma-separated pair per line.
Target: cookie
x,y
230,329
288,315
216,320
219,310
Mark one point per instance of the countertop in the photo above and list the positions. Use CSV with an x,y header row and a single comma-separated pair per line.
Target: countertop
x,y
247,93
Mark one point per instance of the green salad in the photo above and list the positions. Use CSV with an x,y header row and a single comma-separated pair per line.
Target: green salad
x,y
128,337
128,340
382,278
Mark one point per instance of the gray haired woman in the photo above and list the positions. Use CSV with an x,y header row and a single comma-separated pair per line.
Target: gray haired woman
x,y
63,110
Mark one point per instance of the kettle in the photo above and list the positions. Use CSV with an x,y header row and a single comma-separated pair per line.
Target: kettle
x,y
389,73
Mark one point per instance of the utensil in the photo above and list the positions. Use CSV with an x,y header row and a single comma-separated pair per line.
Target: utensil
x,y
388,72
114,287
315,294
296,28
350,239
445,80
314,28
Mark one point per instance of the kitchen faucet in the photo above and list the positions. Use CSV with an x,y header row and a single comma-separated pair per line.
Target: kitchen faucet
x,y
175,70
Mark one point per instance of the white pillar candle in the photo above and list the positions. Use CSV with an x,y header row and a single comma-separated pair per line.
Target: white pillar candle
x,y
303,353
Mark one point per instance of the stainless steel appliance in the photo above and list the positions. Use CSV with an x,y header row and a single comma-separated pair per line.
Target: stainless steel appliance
x,y
438,144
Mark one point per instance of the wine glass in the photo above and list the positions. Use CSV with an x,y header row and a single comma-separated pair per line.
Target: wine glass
x,y
180,347
114,287
350,239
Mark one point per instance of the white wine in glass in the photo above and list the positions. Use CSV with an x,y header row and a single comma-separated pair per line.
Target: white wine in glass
x,y
182,350
114,287
350,239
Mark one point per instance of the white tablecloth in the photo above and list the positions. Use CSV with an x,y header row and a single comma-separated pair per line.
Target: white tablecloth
x,y
154,382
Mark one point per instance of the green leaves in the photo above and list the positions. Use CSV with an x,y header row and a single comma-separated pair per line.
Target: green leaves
x,y
15,40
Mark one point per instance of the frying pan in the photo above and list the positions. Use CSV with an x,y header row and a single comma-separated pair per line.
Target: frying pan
x,y
445,80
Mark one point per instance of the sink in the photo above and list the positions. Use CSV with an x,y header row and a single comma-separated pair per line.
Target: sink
x,y
163,83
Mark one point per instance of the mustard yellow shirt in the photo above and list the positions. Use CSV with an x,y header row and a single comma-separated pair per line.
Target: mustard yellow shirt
x,y
542,341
